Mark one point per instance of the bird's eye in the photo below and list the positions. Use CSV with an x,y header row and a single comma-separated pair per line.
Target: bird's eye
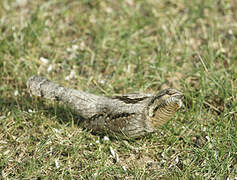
x,y
171,93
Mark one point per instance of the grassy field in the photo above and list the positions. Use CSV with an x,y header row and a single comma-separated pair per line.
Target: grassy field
x,y
117,47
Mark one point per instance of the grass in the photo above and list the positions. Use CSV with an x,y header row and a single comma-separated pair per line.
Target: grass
x,y
116,47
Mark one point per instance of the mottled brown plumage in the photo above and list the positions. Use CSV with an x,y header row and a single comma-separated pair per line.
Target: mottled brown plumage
x,y
131,115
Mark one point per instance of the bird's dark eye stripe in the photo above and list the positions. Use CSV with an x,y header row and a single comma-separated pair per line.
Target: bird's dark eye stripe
x,y
155,109
156,97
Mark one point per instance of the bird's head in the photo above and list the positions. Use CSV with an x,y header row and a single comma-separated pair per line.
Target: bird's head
x,y
163,105
170,96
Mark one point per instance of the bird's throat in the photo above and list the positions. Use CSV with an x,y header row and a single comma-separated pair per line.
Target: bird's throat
x,y
163,114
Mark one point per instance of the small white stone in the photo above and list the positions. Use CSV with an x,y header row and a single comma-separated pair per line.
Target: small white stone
x,y
51,151
106,138
56,130
109,10
82,46
16,93
230,31
69,49
101,81
50,68
44,60
71,75
112,151
215,154
75,47
124,168
56,163
177,160
114,154
67,78
208,138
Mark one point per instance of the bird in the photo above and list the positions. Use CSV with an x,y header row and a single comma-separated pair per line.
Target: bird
x,y
128,115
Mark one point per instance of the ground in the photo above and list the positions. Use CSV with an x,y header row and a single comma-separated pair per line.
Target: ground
x,y
116,47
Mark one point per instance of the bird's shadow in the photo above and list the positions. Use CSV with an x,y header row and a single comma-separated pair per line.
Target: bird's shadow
x,y
50,108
